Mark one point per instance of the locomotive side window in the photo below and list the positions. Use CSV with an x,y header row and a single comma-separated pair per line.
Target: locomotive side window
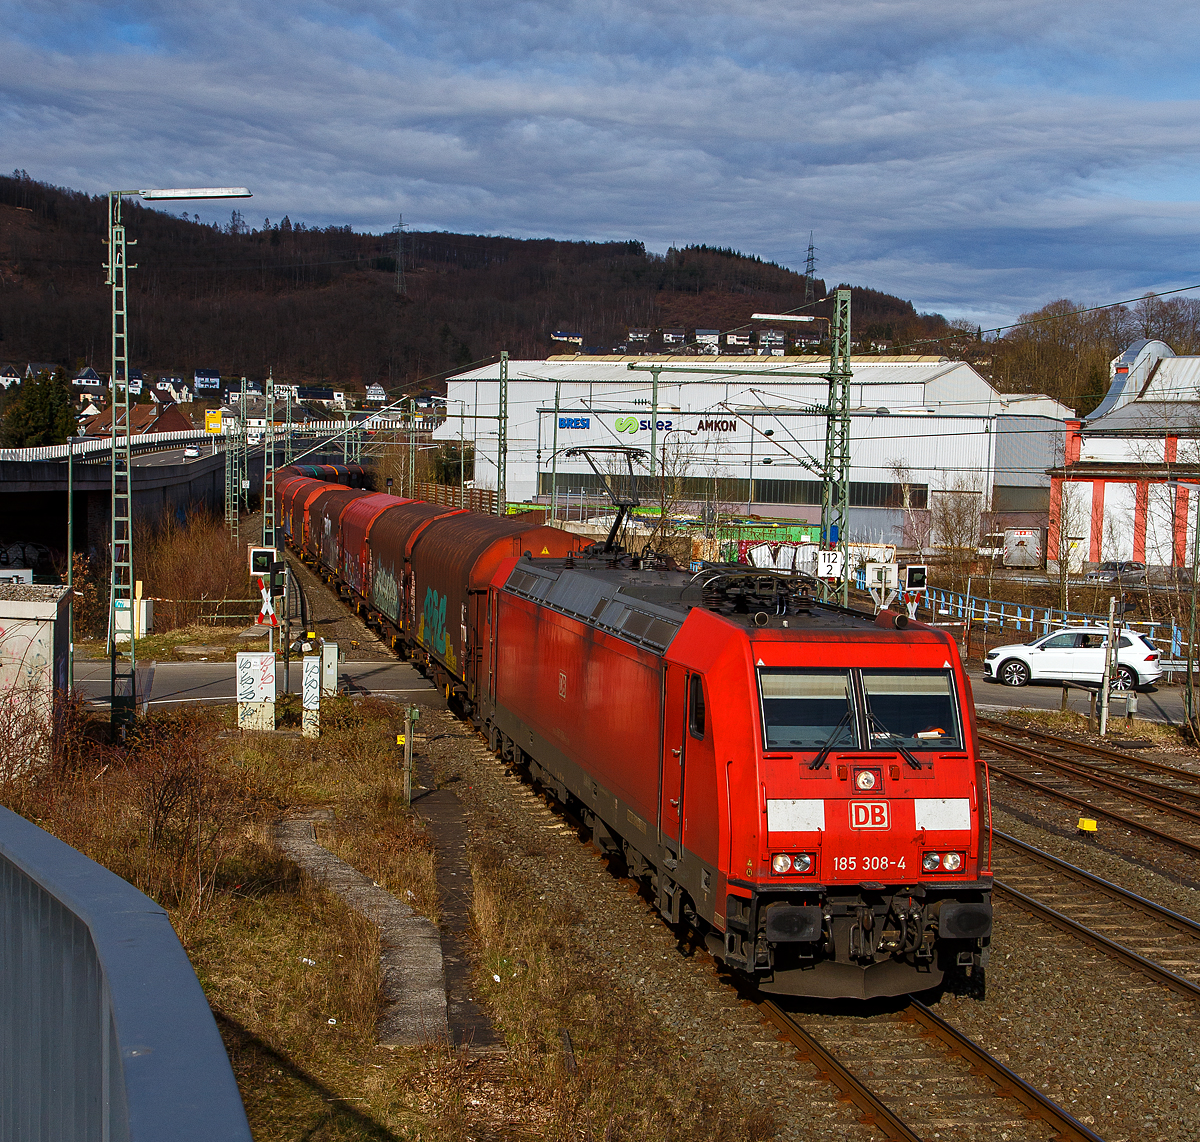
x,y
696,706
915,709
807,709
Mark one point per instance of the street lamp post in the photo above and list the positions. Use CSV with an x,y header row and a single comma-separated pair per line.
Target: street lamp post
x,y
122,685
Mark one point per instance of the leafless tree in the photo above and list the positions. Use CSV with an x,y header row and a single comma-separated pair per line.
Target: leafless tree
x,y
917,523
956,511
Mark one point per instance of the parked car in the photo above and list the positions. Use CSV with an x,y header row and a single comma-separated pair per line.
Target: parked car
x,y
1124,573
191,452
1075,654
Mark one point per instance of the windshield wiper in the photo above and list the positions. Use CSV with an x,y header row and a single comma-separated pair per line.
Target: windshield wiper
x,y
827,748
874,723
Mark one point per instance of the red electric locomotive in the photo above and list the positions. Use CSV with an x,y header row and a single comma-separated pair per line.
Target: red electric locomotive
x,y
798,780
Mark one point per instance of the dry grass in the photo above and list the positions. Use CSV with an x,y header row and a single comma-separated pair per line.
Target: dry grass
x,y
184,809
631,1080
1160,734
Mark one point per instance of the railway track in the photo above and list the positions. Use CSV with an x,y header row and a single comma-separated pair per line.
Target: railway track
x,y
1097,782
913,1077
1118,759
1142,934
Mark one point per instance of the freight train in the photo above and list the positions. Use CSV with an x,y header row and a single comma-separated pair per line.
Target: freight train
x,y
799,781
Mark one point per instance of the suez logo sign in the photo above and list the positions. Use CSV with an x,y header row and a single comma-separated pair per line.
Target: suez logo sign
x,y
869,815
633,424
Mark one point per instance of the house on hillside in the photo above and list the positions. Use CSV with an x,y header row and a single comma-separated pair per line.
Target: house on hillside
x,y
330,398
375,395
35,368
206,381
738,342
708,340
89,409
770,342
9,375
87,378
135,383
143,419
170,390
674,337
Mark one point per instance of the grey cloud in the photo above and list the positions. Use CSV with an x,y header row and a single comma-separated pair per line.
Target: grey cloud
x,y
898,133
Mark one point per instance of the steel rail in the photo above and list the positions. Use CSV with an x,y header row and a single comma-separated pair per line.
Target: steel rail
x,y
1093,778
1096,810
1094,750
1008,1084
874,1112
1117,951
1174,919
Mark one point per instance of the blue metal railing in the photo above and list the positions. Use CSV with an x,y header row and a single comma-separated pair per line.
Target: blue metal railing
x,y
105,1034
1038,621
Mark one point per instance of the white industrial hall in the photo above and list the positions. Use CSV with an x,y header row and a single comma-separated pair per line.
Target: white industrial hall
x,y
748,433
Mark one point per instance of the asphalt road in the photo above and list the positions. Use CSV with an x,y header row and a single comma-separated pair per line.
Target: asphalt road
x,y
185,683
171,456
1156,704
211,683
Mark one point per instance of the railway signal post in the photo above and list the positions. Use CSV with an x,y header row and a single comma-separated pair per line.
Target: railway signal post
x,y
411,715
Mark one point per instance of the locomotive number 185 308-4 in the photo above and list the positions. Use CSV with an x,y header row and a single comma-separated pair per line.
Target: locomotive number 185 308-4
x,y
866,864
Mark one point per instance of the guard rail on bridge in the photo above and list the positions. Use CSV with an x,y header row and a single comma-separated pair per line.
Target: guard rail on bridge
x,y
99,448
104,1031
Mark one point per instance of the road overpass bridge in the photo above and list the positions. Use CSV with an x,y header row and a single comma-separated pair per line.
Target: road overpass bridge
x,y
33,485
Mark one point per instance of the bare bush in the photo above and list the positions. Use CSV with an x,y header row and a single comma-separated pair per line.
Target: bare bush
x,y
189,566
956,512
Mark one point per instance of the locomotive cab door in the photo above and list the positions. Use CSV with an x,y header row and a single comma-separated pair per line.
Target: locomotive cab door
x,y
674,744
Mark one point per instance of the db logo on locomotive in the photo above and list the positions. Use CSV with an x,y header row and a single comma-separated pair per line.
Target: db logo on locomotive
x,y
869,815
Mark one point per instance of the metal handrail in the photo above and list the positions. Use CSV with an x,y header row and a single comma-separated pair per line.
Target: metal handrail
x,y
104,1030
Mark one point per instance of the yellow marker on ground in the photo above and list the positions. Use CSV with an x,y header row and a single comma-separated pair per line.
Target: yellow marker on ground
x,y
1086,825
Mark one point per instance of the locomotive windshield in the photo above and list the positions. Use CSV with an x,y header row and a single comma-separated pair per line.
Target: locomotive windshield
x,y
914,709
807,709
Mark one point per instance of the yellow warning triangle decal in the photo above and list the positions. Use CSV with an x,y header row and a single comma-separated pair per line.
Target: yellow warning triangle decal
x,y
545,551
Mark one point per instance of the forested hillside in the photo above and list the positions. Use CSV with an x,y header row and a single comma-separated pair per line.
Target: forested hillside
x,y
316,304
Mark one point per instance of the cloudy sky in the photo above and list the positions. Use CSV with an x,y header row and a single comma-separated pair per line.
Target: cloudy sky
x,y
979,158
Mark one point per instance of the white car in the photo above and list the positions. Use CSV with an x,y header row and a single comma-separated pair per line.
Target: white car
x,y
1075,654
191,452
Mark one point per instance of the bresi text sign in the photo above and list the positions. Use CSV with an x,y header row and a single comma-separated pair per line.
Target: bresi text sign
x,y
869,815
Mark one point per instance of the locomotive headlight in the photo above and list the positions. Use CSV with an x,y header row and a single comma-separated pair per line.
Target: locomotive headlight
x,y
864,779
781,863
952,862
802,862
930,862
